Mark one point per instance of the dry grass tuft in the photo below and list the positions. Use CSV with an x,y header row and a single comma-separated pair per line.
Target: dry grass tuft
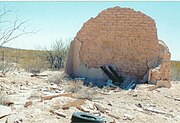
x,y
3,97
6,67
80,91
55,78
73,86
35,95
86,93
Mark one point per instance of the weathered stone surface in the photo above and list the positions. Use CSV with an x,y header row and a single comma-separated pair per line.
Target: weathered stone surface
x,y
128,116
28,103
4,111
123,38
16,118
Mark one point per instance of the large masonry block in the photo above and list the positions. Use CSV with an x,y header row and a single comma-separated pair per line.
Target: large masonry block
x,y
123,38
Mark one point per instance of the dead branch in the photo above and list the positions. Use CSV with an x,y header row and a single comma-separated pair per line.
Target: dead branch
x,y
49,97
11,29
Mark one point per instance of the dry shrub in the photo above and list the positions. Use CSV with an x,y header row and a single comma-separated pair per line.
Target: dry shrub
x,y
6,67
73,86
34,64
35,95
86,93
175,70
55,78
80,91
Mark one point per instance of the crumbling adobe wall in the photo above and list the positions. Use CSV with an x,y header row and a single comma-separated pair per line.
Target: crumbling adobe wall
x,y
123,38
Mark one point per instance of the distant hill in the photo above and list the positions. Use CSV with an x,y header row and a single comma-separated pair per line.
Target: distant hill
x,y
28,59
25,58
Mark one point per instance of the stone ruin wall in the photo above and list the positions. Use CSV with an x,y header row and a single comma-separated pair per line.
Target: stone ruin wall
x,y
123,38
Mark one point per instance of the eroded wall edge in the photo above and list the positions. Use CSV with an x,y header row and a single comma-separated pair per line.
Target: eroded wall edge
x,y
77,68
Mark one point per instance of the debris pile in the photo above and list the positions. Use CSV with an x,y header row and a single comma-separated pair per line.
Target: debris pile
x,y
44,101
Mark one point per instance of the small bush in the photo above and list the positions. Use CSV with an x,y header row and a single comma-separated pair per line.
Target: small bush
x,y
6,67
57,54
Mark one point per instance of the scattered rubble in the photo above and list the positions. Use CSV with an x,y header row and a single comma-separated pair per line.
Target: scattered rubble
x,y
16,118
84,109
75,103
113,104
159,84
114,115
59,113
100,108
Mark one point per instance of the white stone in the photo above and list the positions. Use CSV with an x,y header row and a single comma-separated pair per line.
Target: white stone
x,y
4,110
128,116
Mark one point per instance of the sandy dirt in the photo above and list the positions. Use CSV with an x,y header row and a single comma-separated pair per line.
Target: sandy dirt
x,y
137,106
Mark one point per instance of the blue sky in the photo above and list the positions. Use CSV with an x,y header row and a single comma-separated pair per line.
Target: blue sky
x,y
62,20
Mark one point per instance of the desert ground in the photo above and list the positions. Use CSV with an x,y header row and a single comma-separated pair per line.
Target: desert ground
x,y
28,99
